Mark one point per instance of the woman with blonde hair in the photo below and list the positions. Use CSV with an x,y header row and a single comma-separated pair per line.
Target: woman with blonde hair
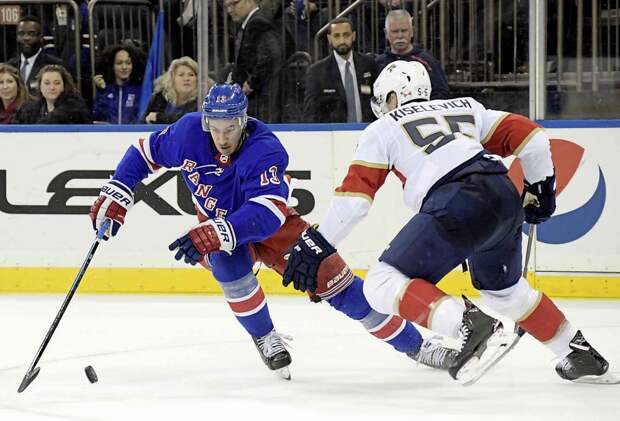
x,y
13,93
175,93
59,101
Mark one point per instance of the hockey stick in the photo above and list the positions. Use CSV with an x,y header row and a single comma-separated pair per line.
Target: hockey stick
x,y
528,250
33,370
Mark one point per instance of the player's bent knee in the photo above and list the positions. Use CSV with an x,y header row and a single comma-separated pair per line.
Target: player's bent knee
x,y
382,288
514,302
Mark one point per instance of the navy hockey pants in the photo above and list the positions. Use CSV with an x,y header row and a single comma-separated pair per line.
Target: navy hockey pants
x,y
476,216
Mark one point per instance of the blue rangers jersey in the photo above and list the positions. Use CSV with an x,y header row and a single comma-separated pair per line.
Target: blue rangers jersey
x,y
248,188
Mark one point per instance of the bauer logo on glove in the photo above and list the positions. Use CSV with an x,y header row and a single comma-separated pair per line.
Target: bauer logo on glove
x,y
210,236
314,265
311,245
113,203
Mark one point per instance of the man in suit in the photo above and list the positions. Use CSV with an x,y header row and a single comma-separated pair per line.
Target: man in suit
x,y
339,87
399,33
32,57
259,56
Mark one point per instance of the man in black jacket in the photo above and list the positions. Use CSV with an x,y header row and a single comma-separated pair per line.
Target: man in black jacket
x,y
339,87
399,33
259,56
32,57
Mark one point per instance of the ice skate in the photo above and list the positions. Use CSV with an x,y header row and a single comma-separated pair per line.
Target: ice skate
x,y
484,343
273,352
433,354
584,364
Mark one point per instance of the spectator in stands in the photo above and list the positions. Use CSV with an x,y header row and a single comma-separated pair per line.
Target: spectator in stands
x,y
399,33
259,56
32,57
175,93
58,103
118,85
13,93
339,87
384,7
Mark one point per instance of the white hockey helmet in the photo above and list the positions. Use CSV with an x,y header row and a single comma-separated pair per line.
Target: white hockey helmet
x,y
409,80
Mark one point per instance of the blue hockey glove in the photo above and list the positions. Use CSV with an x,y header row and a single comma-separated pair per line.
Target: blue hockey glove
x,y
539,200
305,259
210,236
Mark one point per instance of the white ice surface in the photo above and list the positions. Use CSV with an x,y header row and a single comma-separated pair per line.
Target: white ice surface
x,y
184,358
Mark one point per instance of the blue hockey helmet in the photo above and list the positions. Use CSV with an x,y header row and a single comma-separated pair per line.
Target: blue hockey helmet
x,y
225,101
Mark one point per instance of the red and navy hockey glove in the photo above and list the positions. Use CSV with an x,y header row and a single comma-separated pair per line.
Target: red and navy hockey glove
x,y
539,200
210,236
305,259
113,203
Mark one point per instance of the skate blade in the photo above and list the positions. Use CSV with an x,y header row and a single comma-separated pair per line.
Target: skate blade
x,y
497,347
607,378
284,373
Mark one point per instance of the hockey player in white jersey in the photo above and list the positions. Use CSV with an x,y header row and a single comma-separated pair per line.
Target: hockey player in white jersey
x,y
464,207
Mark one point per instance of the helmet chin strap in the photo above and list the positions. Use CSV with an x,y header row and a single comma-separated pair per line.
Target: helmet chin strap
x,y
244,136
412,100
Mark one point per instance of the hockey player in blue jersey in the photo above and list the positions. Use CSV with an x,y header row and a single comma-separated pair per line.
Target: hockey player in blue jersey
x,y
234,166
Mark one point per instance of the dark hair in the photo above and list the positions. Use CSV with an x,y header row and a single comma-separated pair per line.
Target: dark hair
x,y
337,21
31,18
105,63
67,80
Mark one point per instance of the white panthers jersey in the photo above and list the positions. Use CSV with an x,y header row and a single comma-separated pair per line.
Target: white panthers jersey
x,y
420,143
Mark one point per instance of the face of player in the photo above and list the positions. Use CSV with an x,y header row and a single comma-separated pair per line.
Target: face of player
x,y
29,38
226,135
122,67
392,102
399,33
341,38
185,81
8,88
52,86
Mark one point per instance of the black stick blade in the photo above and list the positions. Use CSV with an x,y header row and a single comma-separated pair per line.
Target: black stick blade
x,y
28,378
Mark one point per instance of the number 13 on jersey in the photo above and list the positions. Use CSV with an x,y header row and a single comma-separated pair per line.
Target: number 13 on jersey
x,y
270,176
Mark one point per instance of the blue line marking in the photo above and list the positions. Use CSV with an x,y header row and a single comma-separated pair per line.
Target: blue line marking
x,y
301,127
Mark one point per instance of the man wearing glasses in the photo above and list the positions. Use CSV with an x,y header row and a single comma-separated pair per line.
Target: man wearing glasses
x,y
32,57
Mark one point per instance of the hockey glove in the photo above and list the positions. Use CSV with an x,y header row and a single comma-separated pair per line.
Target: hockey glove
x,y
305,259
214,235
113,203
539,200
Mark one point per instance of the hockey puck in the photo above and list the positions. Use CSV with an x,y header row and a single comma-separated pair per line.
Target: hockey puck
x,y
90,373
